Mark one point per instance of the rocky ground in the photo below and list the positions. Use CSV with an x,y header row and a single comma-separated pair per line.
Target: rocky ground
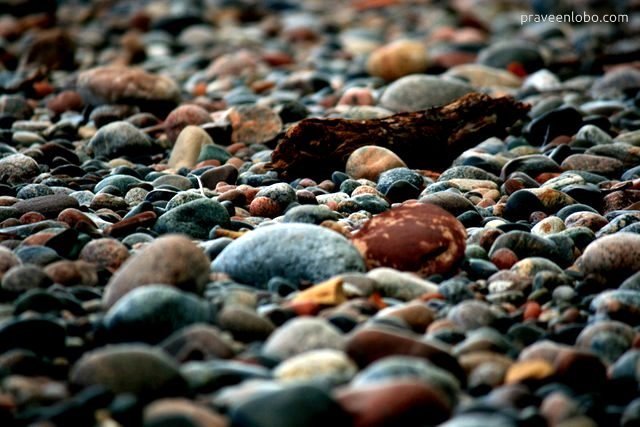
x,y
368,213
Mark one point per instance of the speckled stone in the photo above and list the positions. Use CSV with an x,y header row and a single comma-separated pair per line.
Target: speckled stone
x,y
612,258
119,139
106,253
18,168
411,238
301,335
321,366
421,91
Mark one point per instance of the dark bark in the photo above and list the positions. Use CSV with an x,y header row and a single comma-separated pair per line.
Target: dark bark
x,y
429,139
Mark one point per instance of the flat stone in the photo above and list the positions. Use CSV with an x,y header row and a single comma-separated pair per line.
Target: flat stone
x,y
186,150
420,92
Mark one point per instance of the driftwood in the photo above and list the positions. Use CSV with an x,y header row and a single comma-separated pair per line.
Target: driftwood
x,y
429,139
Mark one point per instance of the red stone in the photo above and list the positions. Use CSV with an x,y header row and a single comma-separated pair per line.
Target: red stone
x,y
418,237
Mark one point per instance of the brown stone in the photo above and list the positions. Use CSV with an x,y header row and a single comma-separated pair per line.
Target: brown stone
x,y
367,345
370,161
224,173
396,403
265,207
198,414
128,85
417,237
49,206
397,59
182,117
106,253
415,314
602,165
170,260
529,370
198,342
591,220
7,260
254,124
72,273
68,100
187,147
128,225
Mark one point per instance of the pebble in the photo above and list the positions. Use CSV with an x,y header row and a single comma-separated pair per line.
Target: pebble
x,y
164,261
195,218
400,285
417,237
324,366
420,92
398,59
301,335
130,368
188,145
244,120
370,161
119,84
18,169
119,139
301,253
150,313
612,258
183,116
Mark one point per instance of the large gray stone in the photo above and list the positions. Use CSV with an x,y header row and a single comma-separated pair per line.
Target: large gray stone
x,y
297,252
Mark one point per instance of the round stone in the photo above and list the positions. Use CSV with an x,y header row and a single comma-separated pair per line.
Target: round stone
x,y
119,139
397,59
121,85
612,258
301,253
129,368
253,124
171,260
417,237
301,335
325,366
195,218
420,92
507,54
182,117
106,253
370,161
18,169
151,313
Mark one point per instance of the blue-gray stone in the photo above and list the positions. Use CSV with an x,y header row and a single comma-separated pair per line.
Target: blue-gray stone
x,y
296,252
195,218
119,139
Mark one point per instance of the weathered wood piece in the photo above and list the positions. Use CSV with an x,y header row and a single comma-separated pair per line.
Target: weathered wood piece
x,y
429,139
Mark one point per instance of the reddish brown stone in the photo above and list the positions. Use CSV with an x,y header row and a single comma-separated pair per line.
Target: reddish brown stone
x,y
31,217
106,253
417,315
396,403
171,260
49,206
68,100
76,219
418,237
367,345
182,117
254,124
504,258
72,273
128,225
197,414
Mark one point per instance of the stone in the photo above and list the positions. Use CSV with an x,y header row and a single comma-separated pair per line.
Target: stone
x,y
303,334
171,260
310,214
151,313
399,285
324,366
397,403
21,278
615,82
507,53
612,258
397,59
601,165
301,253
244,324
116,84
329,292
195,218
294,406
253,124
369,344
470,315
8,260
482,76
198,341
387,178
72,273
418,237
420,92
370,161
50,206
189,143
18,169
129,368
529,371
119,139
163,410
622,305
107,253
183,116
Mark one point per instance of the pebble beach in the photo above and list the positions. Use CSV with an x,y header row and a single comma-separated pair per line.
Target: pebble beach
x,y
345,213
